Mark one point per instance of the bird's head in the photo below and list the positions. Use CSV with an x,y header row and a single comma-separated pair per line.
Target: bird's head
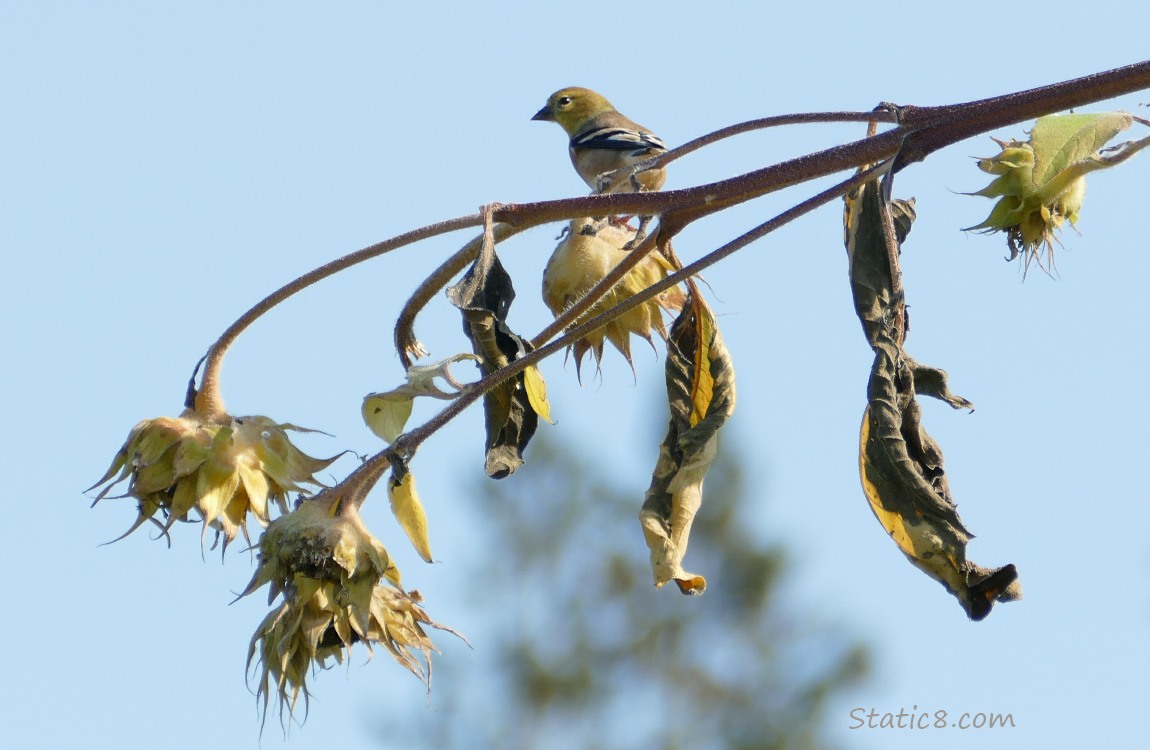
x,y
573,106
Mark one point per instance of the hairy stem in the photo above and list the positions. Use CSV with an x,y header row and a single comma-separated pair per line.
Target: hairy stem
x,y
209,400
762,123
933,128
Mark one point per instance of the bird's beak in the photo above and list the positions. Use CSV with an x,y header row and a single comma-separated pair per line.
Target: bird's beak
x,y
545,115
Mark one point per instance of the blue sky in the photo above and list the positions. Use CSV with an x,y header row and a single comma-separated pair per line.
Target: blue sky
x,y
166,165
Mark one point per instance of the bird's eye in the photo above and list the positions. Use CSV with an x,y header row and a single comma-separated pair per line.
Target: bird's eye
x,y
563,101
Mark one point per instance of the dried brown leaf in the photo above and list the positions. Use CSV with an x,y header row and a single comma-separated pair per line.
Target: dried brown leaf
x,y
900,465
701,396
484,296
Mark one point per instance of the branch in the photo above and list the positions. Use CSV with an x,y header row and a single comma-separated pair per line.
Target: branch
x,y
921,131
933,128
805,118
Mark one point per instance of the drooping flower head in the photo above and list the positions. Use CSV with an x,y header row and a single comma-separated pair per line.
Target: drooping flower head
x,y
583,257
220,469
339,587
1040,183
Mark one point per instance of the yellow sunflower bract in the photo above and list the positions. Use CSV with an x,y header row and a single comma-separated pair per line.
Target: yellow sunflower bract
x,y
583,257
339,587
221,470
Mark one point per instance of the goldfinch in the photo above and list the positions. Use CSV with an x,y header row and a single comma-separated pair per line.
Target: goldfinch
x,y
602,140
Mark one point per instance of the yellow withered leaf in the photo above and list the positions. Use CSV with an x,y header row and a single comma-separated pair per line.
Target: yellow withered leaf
x,y
537,392
386,414
701,397
908,494
408,511
703,381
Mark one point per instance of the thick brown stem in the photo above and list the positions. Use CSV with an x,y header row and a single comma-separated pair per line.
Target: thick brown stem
x,y
933,128
921,131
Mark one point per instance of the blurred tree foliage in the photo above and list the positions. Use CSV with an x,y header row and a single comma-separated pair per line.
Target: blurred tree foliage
x,y
597,658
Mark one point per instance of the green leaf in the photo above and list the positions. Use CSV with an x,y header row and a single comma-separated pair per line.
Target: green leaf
x,y
1062,140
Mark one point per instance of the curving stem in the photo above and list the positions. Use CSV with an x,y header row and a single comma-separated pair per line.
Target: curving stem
x,y
209,401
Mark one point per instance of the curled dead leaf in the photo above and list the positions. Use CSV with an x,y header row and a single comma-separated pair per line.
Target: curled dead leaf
x,y
900,465
701,397
484,296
